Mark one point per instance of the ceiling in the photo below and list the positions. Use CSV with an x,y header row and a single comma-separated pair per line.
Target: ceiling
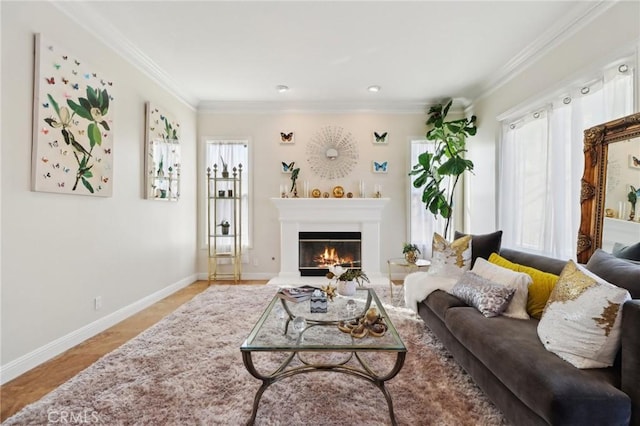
x,y
233,54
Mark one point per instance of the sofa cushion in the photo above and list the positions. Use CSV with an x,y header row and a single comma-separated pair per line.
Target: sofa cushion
x,y
482,245
581,322
488,297
540,288
631,252
517,280
439,301
616,271
450,258
551,387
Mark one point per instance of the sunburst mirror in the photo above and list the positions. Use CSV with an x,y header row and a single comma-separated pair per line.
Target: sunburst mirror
x,y
332,152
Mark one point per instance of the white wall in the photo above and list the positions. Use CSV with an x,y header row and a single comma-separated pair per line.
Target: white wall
x,y
597,42
61,251
267,154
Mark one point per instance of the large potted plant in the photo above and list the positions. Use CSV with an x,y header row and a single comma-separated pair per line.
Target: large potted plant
x,y
439,171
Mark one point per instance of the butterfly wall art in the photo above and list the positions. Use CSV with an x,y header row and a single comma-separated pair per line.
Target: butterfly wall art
x,y
72,124
286,137
380,137
288,167
162,155
380,167
634,161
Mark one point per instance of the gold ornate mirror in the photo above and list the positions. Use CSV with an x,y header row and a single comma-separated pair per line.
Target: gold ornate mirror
x,y
594,180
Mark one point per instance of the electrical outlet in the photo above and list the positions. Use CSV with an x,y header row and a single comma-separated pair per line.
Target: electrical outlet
x,y
97,303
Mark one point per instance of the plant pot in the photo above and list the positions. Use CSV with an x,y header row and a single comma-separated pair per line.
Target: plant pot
x,y
347,288
225,230
411,256
225,174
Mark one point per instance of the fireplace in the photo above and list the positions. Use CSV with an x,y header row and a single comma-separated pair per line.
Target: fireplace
x,y
297,215
319,250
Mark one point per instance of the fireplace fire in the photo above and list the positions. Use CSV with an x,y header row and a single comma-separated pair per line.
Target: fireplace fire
x,y
319,250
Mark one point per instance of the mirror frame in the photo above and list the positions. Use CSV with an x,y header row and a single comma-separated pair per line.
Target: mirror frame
x,y
593,187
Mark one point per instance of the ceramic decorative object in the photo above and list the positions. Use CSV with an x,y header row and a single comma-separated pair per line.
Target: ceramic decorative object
x,y
347,288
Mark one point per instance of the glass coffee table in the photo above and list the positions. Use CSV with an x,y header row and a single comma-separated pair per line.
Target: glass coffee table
x,y
322,346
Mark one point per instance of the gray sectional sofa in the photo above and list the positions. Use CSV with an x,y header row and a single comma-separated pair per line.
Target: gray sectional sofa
x,y
530,385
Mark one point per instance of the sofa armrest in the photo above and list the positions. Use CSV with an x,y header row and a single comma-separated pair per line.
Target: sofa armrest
x,y
630,373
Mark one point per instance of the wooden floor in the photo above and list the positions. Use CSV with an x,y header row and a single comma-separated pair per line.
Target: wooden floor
x,y
34,384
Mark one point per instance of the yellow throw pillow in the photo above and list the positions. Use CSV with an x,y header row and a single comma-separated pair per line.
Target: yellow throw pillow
x,y
539,290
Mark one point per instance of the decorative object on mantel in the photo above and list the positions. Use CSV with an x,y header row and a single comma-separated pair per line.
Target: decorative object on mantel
x,y
446,161
294,178
287,167
633,198
332,152
162,155
380,167
338,191
377,191
380,138
286,138
410,252
316,193
72,124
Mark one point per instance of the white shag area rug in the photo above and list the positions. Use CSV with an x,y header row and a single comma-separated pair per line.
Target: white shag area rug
x,y
187,370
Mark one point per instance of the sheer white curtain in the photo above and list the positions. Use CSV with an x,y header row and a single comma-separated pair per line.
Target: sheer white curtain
x,y
422,223
541,164
233,152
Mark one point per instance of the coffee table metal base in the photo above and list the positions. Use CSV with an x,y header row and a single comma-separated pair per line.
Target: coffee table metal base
x,y
282,372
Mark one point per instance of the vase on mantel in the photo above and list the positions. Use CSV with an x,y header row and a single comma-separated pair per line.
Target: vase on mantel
x,y
347,288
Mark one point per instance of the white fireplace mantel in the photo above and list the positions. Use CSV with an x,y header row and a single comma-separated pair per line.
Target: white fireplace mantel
x,y
329,214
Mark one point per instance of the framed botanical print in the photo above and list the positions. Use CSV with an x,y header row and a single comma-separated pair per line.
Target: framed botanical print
x,y
73,124
162,155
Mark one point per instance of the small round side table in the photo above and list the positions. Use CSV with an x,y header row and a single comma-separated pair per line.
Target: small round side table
x,y
411,267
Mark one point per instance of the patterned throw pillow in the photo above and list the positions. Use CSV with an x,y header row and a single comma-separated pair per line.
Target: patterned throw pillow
x,y
581,322
450,259
517,280
539,290
490,298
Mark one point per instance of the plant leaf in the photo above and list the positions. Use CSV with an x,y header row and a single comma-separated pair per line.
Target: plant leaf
x,y
79,110
104,102
95,137
87,184
104,124
54,104
92,97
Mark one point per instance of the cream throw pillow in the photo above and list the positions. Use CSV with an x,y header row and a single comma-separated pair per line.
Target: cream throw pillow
x,y
450,259
581,322
511,279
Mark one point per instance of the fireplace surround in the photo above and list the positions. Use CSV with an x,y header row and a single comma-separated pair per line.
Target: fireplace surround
x,y
297,215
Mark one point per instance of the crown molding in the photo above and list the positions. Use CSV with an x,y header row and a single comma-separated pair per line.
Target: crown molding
x,y
93,23
328,107
555,35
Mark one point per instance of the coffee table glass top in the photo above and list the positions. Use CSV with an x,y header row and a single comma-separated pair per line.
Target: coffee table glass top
x,y
321,332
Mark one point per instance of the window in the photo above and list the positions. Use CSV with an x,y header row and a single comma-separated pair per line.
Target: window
x,y
541,163
422,223
233,152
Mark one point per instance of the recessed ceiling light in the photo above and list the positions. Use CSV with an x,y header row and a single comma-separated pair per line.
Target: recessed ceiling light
x,y
282,88
373,88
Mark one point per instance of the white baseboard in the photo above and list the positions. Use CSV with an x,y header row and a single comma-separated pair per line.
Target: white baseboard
x,y
44,353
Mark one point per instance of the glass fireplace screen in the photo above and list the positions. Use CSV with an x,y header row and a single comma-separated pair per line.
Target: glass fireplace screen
x,y
319,250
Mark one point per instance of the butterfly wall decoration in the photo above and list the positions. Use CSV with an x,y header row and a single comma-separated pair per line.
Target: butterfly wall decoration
x,y
380,167
73,124
286,137
288,167
380,137
634,162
